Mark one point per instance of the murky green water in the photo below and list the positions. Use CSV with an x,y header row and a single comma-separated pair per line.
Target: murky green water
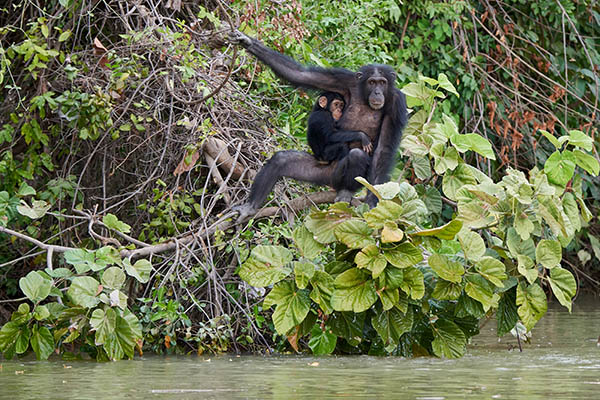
x,y
563,361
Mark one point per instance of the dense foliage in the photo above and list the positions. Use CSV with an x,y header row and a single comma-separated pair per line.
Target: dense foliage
x,y
128,130
386,280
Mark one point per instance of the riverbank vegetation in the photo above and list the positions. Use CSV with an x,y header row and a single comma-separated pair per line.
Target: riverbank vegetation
x,y
128,130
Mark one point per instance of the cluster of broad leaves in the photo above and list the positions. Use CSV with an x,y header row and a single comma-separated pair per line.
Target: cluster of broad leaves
x,y
384,281
374,280
81,305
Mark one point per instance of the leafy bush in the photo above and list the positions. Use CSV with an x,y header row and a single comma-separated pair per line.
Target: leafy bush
x,y
87,312
387,281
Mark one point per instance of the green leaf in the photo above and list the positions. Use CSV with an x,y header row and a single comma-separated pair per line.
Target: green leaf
x,y
22,315
415,126
479,289
559,167
83,260
456,179
517,246
44,29
347,325
38,209
386,210
532,304
322,284
451,271
303,271
112,222
355,234
595,243
391,233
506,314
472,244
354,291
41,312
474,142
413,284
12,333
422,167
391,278
493,270
569,204
122,341
140,270
370,187
446,158
389,298
35,286
432,199
83,291
260,274
526,267
321,341
389,190
104,323
276,256
322,223
64,36
563,286
446,84
23,339
523,225
551,138
391,325
42,342
107,255
445,290
446,232
550,210
468,307
292,306
588,162
580,139
548,253
306,242
25,190
403,256
371,259
449,340
113,278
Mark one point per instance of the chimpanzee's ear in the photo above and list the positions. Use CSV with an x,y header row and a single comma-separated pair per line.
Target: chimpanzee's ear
x,y
358,75
323,102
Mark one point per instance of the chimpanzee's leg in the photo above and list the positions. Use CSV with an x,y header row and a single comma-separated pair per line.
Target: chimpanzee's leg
x,y
356,163
298,165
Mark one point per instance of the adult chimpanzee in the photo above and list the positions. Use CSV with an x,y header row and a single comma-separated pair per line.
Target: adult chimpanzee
x,y
326,142
374,106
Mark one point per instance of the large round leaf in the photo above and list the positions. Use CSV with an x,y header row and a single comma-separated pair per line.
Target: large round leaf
x,y
35,286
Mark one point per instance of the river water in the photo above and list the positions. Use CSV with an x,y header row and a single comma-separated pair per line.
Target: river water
x,y
562,362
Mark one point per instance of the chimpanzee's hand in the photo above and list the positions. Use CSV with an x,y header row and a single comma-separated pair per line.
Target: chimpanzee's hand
x,y
365,141
240,38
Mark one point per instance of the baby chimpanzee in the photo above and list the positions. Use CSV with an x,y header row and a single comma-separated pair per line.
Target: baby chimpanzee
x,y
326,141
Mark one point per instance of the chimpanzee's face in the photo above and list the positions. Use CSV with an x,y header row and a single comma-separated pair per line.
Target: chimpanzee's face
x,y
336,107
374,83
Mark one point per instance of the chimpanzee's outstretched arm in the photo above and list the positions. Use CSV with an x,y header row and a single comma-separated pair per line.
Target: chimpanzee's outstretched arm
x,y
330,79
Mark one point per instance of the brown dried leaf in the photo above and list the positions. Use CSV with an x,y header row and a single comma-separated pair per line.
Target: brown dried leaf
x,y
293,339
187,166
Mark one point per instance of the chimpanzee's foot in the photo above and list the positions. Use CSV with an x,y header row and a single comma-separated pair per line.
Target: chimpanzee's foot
x,y
343,195
245,211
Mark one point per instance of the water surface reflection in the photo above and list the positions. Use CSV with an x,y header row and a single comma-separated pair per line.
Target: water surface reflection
x,y
563,361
